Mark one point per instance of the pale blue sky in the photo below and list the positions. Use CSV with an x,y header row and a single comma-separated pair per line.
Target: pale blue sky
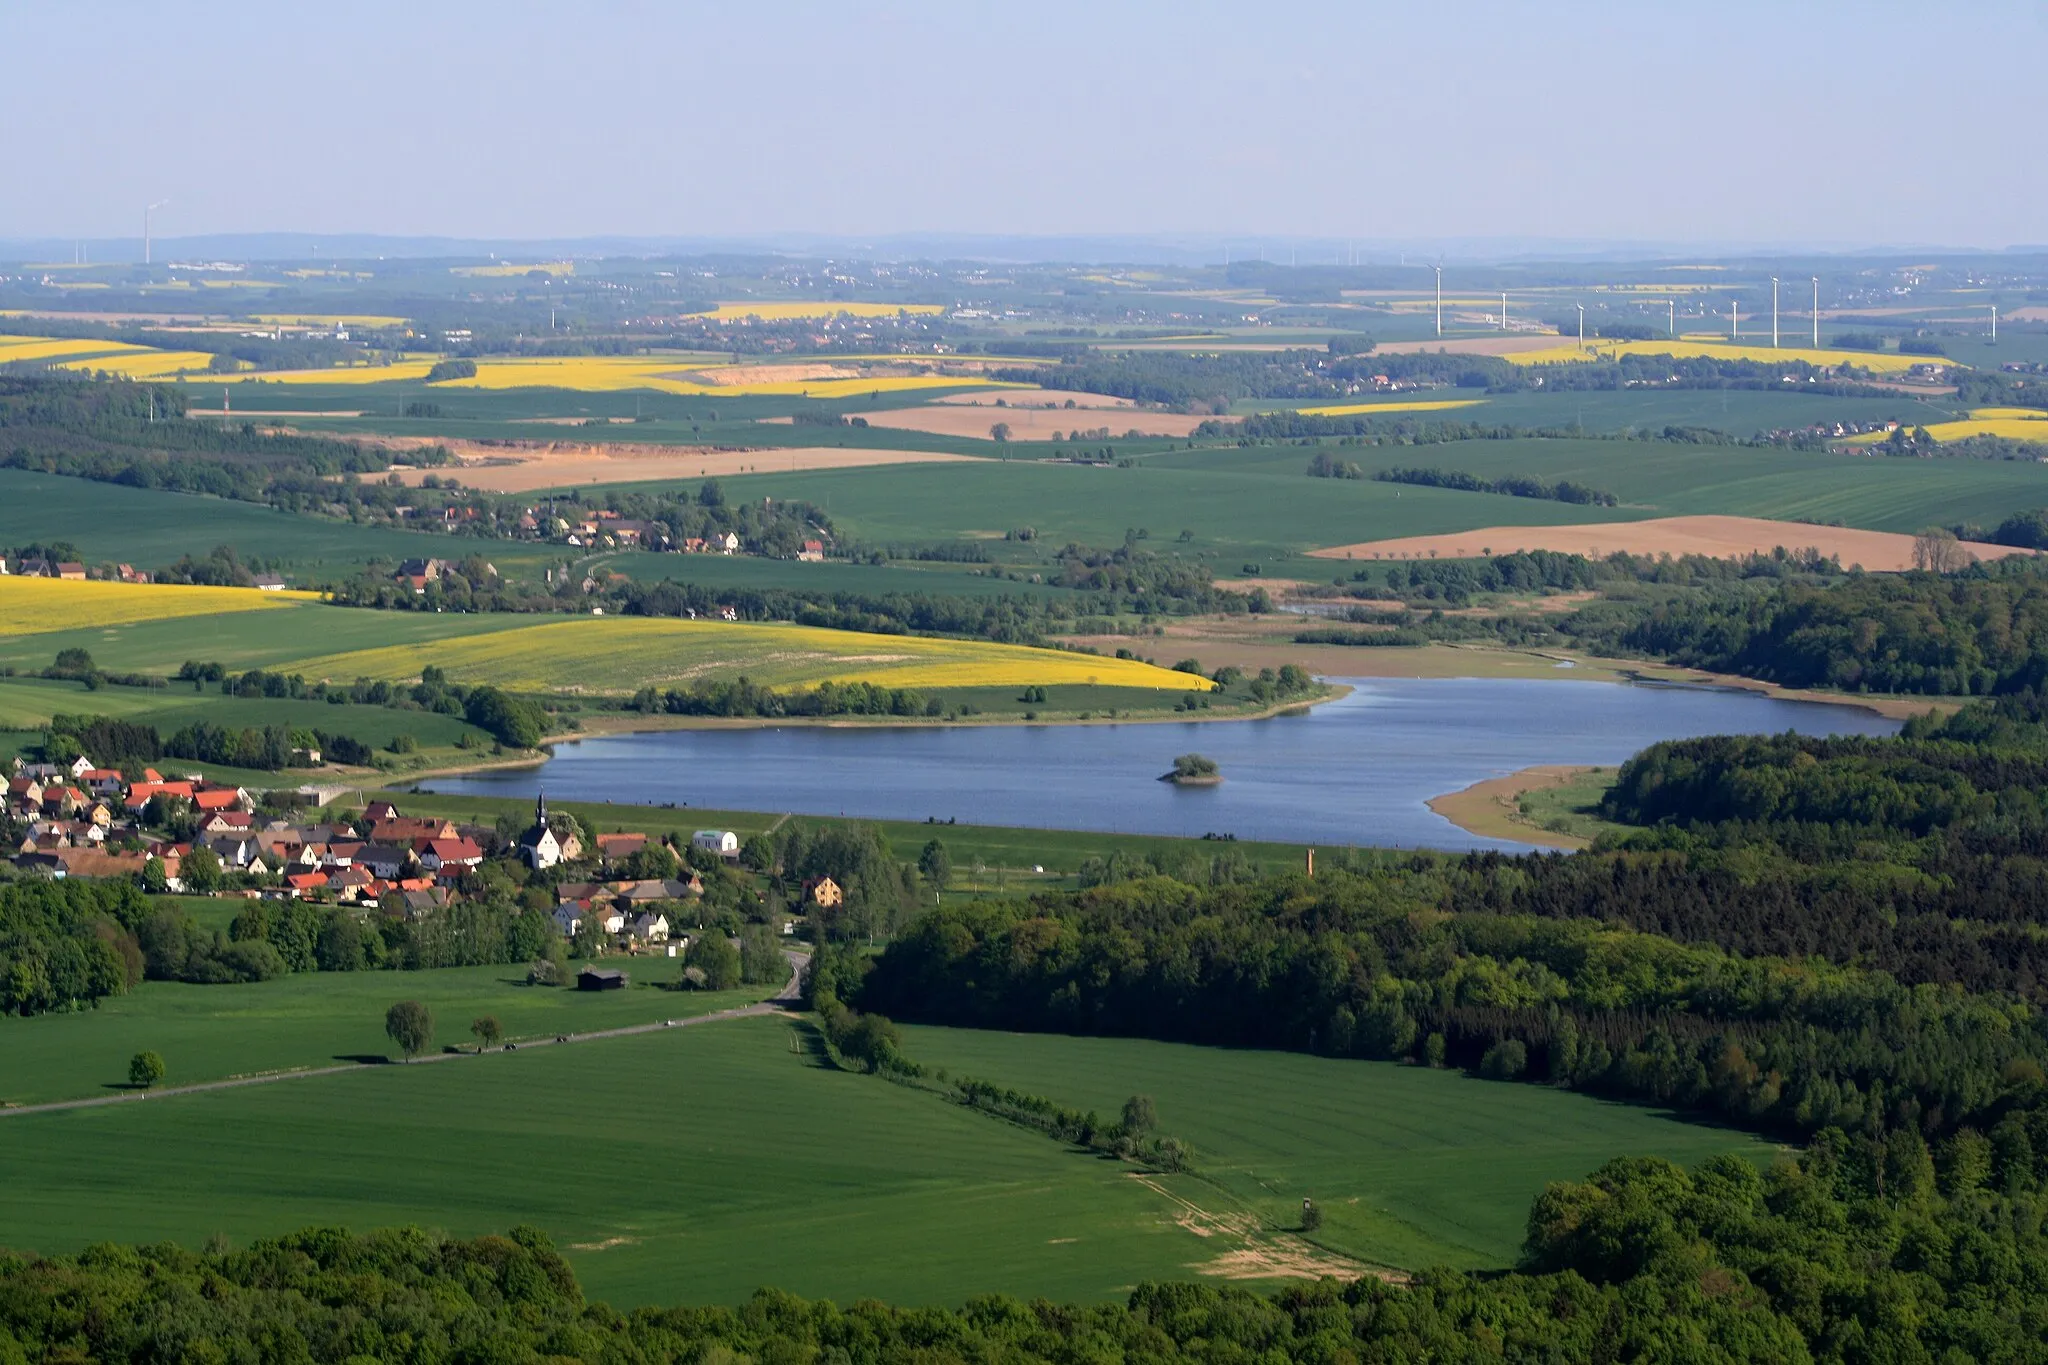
x,y
1832,123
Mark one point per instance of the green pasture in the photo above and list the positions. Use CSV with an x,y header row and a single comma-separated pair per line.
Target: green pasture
x,y
1412,1167
313,1019
683,1166
697,1164
1662,478
149,528
27,704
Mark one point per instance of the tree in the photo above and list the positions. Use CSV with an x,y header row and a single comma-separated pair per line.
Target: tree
x,y
714,955
935,865
999,433
757,854
1938,551
201,870
154,879
145,1069
1140,1116
1311,1216
591,940
487,1031
410,1025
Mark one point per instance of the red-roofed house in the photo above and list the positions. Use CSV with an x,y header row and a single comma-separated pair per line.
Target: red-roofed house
x,y
139,794
306,883
104,781
220,798
437,854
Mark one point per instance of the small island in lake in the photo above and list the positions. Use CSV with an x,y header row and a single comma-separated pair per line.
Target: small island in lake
x,y
1193,770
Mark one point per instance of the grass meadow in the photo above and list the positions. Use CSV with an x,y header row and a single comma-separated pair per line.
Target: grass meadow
x,y
698,1164
1412,1167
313,1019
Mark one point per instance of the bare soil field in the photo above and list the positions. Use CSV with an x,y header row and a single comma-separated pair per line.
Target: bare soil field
x,y
1719,537
1033,424
1039,398
526,466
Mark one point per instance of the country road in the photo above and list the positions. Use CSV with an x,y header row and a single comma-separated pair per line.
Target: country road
x,y
781,1000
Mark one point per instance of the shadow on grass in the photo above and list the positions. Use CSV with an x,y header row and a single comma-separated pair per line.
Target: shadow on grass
x,y
363,1058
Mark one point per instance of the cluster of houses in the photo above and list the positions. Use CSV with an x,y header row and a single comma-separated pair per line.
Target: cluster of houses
x,y
80,820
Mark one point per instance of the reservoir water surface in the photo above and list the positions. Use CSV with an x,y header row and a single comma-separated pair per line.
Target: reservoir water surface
x,y
1358,770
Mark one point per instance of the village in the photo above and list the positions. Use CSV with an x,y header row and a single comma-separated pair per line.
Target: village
x,y
185,835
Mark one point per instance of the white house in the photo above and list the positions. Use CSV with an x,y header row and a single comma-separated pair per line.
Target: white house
x,y
568,917
650,927
539,846
722,842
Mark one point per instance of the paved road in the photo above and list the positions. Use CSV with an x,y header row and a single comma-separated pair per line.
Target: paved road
x,y
775,1004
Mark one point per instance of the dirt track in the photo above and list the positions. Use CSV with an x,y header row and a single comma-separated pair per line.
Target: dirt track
x,y
1718,537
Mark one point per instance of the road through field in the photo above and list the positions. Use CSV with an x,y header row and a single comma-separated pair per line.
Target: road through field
x,y
779,1001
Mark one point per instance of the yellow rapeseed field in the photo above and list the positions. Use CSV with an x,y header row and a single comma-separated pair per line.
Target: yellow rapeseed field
x,y
30,606
2014,424
144,364
329,319
616,655
788,311
1567,351
49,348
507,269
605,374
1420,405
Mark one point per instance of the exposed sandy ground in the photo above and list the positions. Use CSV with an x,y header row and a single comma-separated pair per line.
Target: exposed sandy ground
x,y
558,464
2031,313
1038,398
1260,1255
1507,343
1032,424
1491,808
1721,537
767,374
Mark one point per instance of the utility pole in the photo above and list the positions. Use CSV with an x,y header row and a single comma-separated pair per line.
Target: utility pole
x,y
1774,312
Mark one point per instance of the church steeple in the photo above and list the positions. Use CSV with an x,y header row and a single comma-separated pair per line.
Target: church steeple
x,y
540,811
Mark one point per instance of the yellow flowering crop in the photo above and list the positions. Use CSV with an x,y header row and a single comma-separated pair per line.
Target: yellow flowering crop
x,y
30,606
622,654
1881,362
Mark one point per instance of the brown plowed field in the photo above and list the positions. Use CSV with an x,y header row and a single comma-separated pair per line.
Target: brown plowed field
x,y
1033,424
1719,537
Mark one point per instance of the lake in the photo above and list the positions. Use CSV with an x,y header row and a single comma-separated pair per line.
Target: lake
x,y
1358,770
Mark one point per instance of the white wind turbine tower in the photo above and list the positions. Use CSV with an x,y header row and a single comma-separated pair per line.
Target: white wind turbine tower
x,y
1774,312
1503,310
1671,322
1439,300
1816,312
1582,325
146,212
1734,320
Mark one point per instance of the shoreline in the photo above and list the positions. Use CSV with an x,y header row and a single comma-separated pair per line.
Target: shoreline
x,y
629,723
1491,809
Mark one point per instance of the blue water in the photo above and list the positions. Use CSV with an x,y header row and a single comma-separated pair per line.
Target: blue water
x,y
1354,771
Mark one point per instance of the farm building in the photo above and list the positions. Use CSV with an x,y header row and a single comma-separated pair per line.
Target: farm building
x,y
600,979
722,842
823,892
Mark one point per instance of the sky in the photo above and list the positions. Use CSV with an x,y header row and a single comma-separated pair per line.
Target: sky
x,y
1815,123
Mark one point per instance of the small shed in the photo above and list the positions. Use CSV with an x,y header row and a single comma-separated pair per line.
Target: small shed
x,y
600,979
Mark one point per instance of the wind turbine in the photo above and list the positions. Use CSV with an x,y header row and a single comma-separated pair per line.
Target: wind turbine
x,y
1774,312
1734,320
1582,325
1994,324
1439,300
1816,312
146,212
1503,310
1671,323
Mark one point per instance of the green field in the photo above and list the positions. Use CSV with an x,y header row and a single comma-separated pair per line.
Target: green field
x,y
698,1164
1412,1167
27,705
210,1033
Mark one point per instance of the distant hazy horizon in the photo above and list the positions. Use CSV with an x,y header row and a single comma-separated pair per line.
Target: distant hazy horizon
x,y
1740,126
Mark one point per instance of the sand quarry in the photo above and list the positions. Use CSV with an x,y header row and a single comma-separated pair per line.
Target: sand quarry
x,y
526,466
1718,537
